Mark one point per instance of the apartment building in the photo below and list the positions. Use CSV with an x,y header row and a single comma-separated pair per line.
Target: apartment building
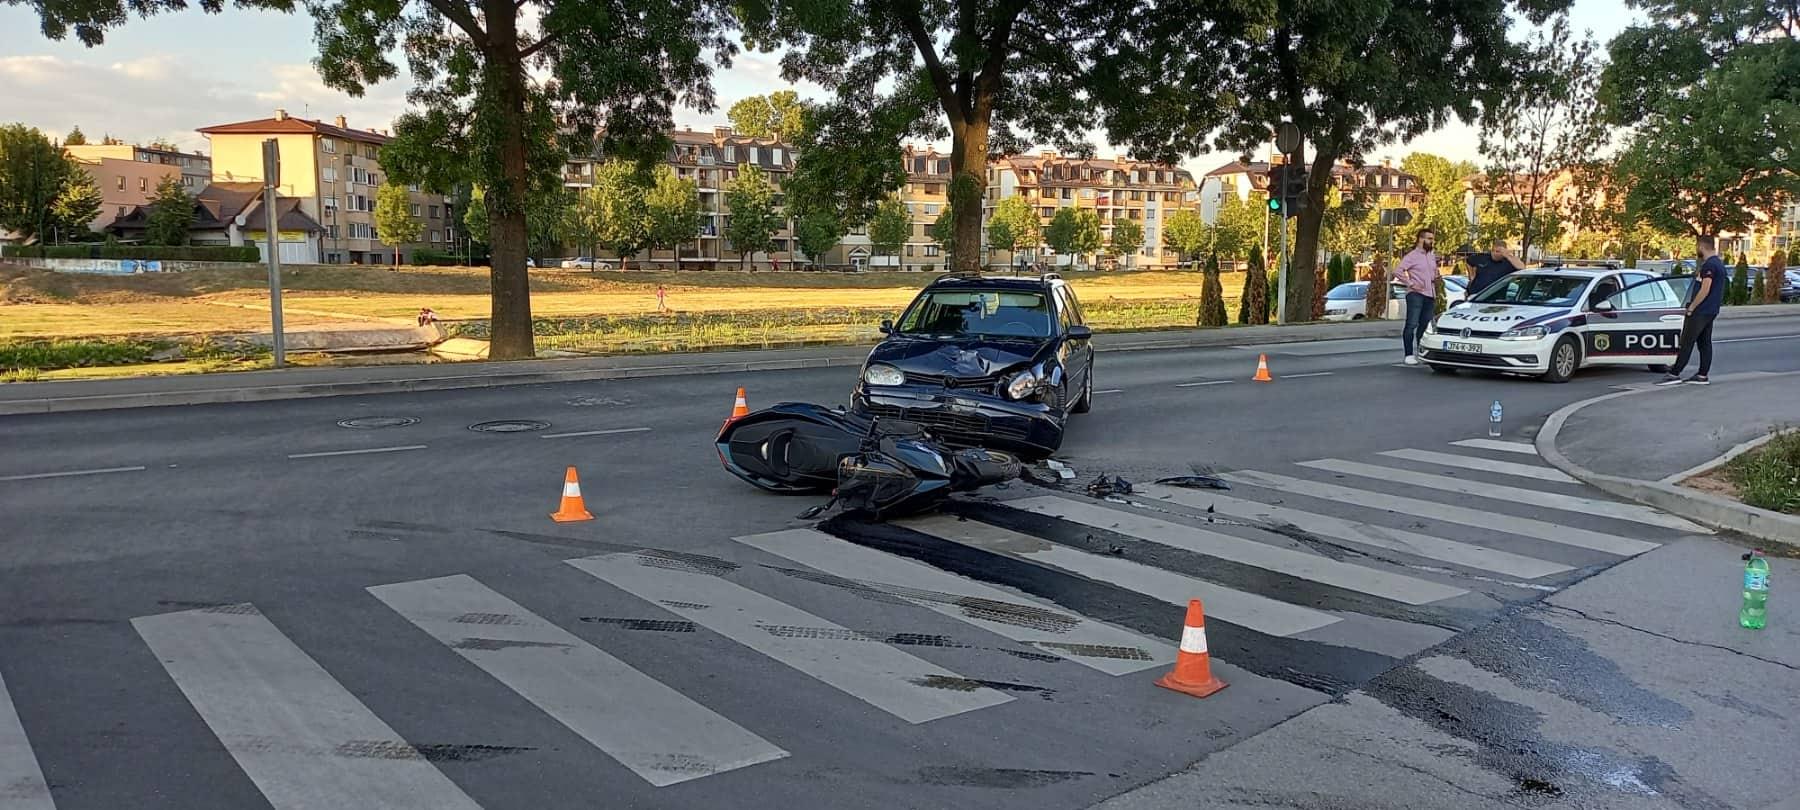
x,y
712,160
1390,187
333,171
124,184
1116,189
195,168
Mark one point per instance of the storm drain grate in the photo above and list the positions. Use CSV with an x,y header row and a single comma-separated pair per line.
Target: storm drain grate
x,y
509,426
377,422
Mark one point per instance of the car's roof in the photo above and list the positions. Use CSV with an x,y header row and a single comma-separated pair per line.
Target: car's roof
x,y
1581,272
1038,283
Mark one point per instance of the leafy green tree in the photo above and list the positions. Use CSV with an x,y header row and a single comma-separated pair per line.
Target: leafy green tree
x,y
996,75
846,165
1774,278
1253,306
780,115
1739,291
76,138
1212,295
1127,237
1351,76
1074,232
614,213
889,230
1375,296
1089,238
1237,226
494,83
172,214
33,173
1759,290
1351,223
818,232
754,216
672,215
1014,226
1443,210
394,223
943,230
77,205
547,218
1186,233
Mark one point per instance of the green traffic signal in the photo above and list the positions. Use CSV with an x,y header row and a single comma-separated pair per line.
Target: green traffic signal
x,y
1275,205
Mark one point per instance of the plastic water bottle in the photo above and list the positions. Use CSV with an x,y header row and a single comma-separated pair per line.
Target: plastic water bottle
x,y
1494,420
1754,613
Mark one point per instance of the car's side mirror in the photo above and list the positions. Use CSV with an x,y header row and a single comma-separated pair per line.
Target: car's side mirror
x,y
887,327
1081,332
1604,305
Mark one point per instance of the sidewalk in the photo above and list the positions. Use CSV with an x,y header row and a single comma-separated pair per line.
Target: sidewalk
x,y
1641,443
297,383
1633,690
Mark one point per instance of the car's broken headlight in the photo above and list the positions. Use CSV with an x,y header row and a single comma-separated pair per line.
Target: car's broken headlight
x,y
881,374
1022,385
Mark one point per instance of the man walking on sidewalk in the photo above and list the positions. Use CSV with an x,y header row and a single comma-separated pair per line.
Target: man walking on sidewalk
x,y
1418,271
1697,328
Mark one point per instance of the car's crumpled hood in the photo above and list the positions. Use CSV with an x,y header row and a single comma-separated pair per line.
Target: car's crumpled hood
x,y
964,358
1495,317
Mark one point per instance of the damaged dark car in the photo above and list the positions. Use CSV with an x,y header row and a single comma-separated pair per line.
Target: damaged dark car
x,y
985,361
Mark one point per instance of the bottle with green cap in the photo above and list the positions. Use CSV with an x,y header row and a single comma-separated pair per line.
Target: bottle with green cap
x,y
1754,613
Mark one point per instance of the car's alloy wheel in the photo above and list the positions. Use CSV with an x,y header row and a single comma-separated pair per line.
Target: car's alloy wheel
x,y
1563,360
1086,403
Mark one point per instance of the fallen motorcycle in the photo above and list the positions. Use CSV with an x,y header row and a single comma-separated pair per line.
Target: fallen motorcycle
x,y
885,467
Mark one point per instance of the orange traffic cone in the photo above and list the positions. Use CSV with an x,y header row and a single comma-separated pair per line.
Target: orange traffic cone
x,y
1262,369
741,408
573,508
1192,674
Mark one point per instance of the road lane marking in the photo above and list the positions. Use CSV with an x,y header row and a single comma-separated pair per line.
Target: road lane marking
x,y
1524,527
1495,444
1749,339
659,733
1324,570
1308,374
299,735
358,452
71,473
1533,471
1207,382
22,785
1466,555
1481,489
1249,610
1084,641
612,432
1111,391
900,684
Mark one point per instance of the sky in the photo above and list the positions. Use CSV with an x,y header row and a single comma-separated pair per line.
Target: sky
x,y
168,75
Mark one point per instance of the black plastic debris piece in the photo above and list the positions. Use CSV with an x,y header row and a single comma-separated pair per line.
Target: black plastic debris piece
x,y
1195,482
1104,487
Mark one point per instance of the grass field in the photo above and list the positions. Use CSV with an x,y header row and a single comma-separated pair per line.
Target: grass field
x,y
42,304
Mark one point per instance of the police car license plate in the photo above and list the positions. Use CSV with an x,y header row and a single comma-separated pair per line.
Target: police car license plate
x,y
1470,348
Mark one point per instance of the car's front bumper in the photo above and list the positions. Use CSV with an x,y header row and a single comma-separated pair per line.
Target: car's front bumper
x,y
1029,429
1493,354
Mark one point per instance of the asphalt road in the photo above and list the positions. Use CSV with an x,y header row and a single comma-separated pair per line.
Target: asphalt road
x,y
242,606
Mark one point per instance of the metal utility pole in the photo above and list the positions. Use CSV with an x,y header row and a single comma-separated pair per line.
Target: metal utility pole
x,y
1287,139
271,180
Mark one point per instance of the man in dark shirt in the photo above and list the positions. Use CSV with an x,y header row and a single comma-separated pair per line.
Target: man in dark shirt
x,y
1492,266
1697,329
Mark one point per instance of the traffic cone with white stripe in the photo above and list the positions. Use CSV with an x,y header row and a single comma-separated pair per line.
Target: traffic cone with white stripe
x,y
1192,674
573,508
741,408
1262,369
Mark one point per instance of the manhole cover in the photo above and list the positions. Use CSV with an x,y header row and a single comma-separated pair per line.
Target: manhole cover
x,y
377,422
509,426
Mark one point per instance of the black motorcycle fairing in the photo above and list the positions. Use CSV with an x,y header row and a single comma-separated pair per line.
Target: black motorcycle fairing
x,y
791,447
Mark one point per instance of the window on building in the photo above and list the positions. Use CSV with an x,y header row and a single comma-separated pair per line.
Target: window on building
x,y
121,210
434,212
143,184
780,157
413,187
328,146
331,231
328,174
1087,193
187,180
417,211
934,188
1068,193
121,180
434,236
753,155
931,250
909,250
930,209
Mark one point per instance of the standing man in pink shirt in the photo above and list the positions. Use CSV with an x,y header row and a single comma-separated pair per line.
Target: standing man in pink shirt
x,y
1418,270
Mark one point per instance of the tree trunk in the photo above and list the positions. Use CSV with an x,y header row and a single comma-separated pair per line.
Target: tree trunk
x,y
509,281
1305,254
968,184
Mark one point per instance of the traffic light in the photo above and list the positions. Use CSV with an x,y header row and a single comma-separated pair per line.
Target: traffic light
x,y
1293,189
1277,182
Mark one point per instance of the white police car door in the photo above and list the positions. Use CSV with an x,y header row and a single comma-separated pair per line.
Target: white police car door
x,y
1638,324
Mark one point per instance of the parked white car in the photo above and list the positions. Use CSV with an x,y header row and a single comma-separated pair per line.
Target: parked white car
x,y
1345,302
584,263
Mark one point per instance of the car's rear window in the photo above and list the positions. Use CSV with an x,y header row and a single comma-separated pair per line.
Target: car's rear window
x,y
1348,292
1534,290
992,313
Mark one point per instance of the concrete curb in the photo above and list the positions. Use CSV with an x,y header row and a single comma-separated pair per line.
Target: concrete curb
x,y
853,356
1693,505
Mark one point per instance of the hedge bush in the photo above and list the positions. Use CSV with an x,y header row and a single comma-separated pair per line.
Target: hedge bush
x,y
435,258
176,253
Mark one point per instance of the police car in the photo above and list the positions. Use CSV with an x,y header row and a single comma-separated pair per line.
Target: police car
x,y
1551,322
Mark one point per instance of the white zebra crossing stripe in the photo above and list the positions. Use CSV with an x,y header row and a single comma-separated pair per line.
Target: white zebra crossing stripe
x,y
1253,611
908,687
1481,489
1496,444
1466,555
1533,471
1011,615
1398,587
1524,527
301,737
657,732
22,785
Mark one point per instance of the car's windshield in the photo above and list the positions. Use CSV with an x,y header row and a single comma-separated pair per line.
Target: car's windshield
x,y
1456,282
1534,290
1354,291
992,313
